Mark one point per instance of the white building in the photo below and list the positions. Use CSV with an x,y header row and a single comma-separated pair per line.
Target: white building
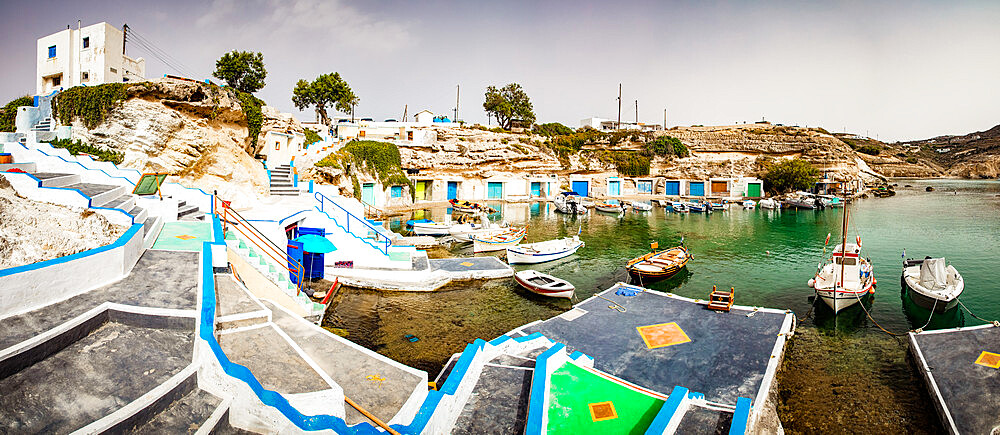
x,y
91,55
604,124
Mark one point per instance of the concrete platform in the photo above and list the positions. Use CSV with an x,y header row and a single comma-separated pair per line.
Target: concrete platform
x,y
499,402
272,360
186,415
723,355
435,274
232,300
698,420
91,378
962,377
160,279
376,383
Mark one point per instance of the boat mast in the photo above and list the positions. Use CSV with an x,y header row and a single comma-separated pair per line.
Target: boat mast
x,y
843,256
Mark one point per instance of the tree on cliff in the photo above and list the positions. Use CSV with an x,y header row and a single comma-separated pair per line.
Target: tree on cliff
x,y
509,103
326,90
795,174
243,70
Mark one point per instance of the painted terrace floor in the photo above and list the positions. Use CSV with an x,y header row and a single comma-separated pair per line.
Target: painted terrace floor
x,y
584,401
183,236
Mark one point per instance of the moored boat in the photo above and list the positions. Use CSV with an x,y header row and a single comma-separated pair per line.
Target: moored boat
x,y
847,278
432,228
718,206
640,206
748,204
497,242
679,207
544,284
570,203
540,252
769,203
466,206
800,202
696,207
931,284
658,265
608,207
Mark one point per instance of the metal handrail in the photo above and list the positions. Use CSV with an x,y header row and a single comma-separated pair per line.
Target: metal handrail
x,y
347,227
371,210
270,248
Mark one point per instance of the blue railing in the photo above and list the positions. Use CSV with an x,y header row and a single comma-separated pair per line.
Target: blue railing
x,y
381,245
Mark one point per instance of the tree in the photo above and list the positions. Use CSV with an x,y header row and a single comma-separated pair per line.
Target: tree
x,y
507,104
795,174
326,90
552,129
242,70
667,145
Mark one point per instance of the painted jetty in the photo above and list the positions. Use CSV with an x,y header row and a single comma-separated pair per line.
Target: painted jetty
x,y
961,367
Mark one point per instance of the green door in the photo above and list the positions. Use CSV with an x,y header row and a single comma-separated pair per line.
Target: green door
x,y
494,190
368,193
753,190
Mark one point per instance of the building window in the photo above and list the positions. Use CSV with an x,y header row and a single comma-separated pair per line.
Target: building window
x,y
52,51
114,71
57,81
86,42
396,192
277,146
84,76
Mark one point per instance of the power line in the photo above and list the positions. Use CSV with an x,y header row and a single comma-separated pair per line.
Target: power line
x,y
158,53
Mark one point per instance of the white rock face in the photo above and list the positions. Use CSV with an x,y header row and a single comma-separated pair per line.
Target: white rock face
x,y
193,131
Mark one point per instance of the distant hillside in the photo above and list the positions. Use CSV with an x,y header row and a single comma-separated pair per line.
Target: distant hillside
x,y
974,155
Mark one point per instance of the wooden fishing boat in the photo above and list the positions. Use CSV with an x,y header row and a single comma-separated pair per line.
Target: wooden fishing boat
x,y
847,278
608,207
769,203
640,206
697,207
544,284
657,265
540,252
679,207
432,228
466,206
748,204
497,242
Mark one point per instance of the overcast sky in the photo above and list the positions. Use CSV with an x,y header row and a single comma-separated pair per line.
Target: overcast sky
x,y
898,70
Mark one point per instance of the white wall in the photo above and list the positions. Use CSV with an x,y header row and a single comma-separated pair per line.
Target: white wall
x,y
103,60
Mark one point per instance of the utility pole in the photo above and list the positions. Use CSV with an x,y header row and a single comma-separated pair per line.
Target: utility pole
x,y
664,118
619,124
636,112
457,93
352,111
405,106
124,36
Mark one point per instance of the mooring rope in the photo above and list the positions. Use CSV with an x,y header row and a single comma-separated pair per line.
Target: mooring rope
x,y
994,322
616,306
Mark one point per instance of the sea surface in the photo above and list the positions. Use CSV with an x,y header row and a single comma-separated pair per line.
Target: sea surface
x,y
766,255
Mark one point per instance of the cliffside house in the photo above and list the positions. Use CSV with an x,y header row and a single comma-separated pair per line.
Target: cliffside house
x,y
91,55
605,124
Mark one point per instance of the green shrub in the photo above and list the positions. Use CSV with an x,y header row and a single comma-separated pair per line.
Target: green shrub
x,y
667,146
795,174
79,146
251,110
627,163
552,129
9,112
911,160
870,149
91,104
311,137
369,156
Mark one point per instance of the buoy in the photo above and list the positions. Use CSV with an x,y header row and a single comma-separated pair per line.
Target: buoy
x,y
811,282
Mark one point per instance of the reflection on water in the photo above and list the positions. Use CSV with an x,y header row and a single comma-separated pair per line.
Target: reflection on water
x,y
767,255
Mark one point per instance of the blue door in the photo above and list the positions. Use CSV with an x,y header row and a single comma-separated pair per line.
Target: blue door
x,y
294,260
452,190
672,188
536,188
368,193
697,188
645,187
614,188
581,188
494,190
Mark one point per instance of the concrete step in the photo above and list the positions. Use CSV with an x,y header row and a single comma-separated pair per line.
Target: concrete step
x,y
124,202
186,210
186,414
99,194
55,179
284,193
26,167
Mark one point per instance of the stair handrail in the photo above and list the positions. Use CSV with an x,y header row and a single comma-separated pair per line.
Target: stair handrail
x,y
371,210
224,211
378,234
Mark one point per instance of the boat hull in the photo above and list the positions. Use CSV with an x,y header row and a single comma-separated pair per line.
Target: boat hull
x,y
928,302
518,256
552,293
431,230
839,300
613,210
638,274
486,244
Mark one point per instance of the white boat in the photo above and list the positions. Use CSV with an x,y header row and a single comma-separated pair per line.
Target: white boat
x,y
544,284
640,206
769,203
540,252
749,204
608,207
847,278
497,242
464,232
432,228
570,203
931,284
679,207
696,207
718,206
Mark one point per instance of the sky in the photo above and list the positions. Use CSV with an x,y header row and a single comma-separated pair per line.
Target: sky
x,y
891,70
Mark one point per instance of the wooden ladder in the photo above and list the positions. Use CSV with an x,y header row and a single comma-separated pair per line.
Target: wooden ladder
x,y
721,300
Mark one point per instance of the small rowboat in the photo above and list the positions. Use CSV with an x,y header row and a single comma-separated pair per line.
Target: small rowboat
x,y
540,252
679,207
466,206
543,284
608,207
497,242
640,206
464,232
655,266
431,228
696,207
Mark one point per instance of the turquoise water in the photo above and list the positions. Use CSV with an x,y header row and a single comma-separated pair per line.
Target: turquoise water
x,y
766,255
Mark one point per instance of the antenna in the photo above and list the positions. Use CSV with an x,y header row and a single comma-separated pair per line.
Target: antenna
x,y
405,106
124,36
457,90
619,124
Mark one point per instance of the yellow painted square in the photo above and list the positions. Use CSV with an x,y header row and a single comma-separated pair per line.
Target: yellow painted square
x,y
662,335
185,237
466,263
603,411
989,359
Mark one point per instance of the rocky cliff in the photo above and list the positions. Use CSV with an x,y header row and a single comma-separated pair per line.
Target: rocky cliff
x,y
195,131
